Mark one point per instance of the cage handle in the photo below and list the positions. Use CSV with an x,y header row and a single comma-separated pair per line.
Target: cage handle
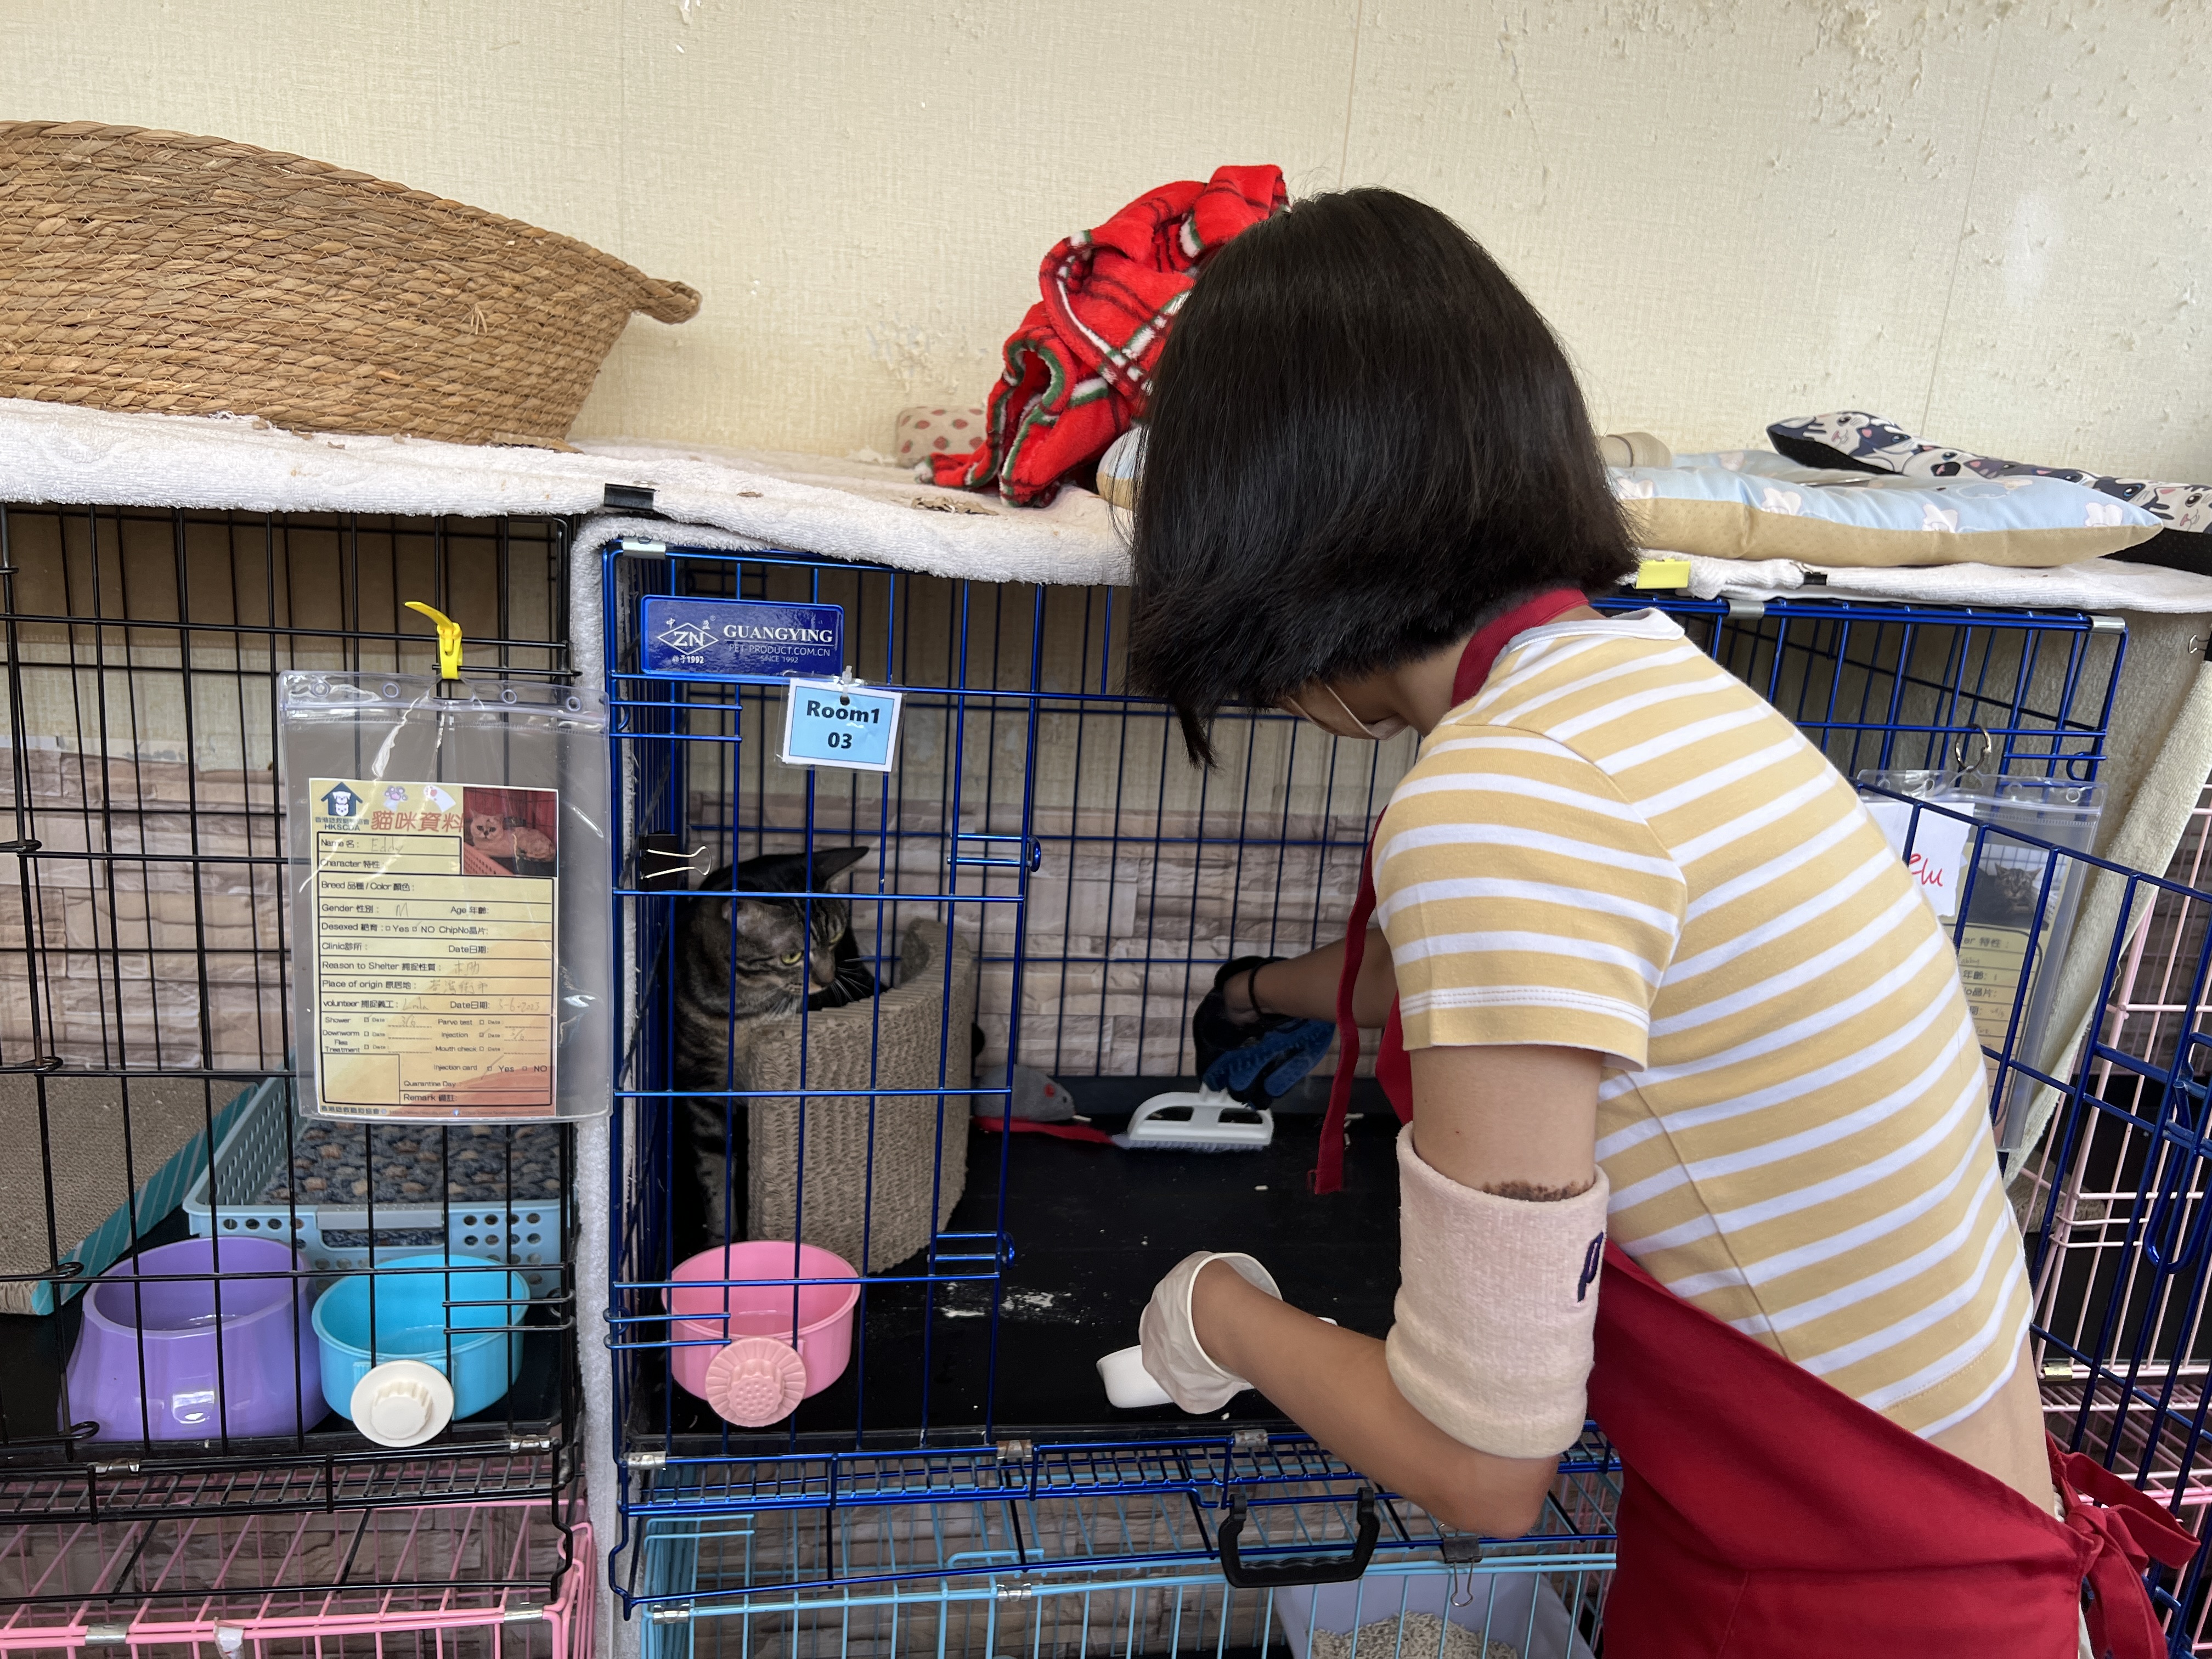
x,y
1298,1570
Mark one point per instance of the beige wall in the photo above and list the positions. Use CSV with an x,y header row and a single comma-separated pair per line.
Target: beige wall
x,y
1988,217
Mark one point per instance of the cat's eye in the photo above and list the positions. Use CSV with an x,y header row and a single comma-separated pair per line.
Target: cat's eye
x,y
790,959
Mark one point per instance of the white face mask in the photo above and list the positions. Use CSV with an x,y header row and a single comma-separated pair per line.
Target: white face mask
x,y
1389,727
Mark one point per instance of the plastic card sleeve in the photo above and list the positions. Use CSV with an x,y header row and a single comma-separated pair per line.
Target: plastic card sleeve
x,y
450,896
2007,899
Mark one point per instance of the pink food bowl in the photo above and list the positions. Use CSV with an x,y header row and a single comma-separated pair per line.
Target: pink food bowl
x,y
737,1346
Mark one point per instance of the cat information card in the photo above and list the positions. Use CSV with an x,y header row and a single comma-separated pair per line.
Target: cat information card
x,y
434,926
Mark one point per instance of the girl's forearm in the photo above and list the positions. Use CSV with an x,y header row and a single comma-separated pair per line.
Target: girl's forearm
x,y
1336,1385
1304,986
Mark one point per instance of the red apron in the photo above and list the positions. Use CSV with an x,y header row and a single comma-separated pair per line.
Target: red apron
x,y
1763,1511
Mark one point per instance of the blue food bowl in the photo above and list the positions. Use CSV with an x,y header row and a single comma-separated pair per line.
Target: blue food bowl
x,y
471,1345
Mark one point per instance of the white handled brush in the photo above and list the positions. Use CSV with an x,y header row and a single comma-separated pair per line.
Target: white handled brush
x,y
1208,1121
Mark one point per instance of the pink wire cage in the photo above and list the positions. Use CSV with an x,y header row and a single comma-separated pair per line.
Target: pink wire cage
x,y
503,1579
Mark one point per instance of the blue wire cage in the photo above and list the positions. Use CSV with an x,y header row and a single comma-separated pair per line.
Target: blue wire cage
x,y
963,1484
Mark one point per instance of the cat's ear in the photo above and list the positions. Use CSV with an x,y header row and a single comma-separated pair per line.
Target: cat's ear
x,y
831,862
787,873
771,872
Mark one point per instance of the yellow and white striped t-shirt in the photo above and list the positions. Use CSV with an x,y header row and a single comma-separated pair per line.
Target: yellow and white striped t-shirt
x,y
1616,845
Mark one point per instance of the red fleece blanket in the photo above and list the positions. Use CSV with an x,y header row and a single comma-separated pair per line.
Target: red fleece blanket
x,y
1079,367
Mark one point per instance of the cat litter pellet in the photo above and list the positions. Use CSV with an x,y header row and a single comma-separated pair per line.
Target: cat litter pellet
x,y
411,1162
1416,1636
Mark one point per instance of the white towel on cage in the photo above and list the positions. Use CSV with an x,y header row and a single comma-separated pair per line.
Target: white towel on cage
x,y
2090,585
850,509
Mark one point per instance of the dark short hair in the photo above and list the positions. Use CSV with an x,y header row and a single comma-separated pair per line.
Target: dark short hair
x,y
1362,437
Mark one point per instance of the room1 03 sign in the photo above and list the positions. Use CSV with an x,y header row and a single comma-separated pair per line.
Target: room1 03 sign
x,y
841,723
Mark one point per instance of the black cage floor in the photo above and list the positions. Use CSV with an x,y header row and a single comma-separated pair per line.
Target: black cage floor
x,y
1093,1229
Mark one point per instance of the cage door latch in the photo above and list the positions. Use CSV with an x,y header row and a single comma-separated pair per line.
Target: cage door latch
x,y
1026,854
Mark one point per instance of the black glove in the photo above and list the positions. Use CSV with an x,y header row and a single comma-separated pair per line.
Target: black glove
x,y
1214,1035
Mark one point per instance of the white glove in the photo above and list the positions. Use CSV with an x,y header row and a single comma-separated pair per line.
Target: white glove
x,y
1173,1357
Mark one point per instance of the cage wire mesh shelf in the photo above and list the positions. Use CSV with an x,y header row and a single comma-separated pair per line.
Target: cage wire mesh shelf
x,y
145,1044
505,1580
112,1488
1046,821
1070,1574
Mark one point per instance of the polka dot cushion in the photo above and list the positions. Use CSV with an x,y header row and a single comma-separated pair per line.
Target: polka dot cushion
x,y
943,429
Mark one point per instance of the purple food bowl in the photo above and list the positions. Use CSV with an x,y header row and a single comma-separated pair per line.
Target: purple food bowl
x,y
248,1368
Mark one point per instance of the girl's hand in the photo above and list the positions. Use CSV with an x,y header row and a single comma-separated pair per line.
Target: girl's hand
x,y
1336,1385
1173,1356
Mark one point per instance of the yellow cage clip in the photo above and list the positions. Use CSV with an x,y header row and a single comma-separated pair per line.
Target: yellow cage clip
x,y
449,640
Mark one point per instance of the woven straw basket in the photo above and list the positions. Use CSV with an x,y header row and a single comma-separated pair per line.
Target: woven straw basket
x,y
902,1033
150,270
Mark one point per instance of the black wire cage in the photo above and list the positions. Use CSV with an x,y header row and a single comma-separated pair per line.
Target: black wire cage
x,y
1040,878
168,1217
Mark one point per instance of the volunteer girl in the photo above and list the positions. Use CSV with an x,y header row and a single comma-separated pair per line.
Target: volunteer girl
x,y
1658,980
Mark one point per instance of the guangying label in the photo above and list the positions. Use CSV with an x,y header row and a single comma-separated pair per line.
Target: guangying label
x,y
435,919
728,639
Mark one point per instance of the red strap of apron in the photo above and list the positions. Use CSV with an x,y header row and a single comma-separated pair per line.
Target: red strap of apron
x,y
2127,1531
1392,1067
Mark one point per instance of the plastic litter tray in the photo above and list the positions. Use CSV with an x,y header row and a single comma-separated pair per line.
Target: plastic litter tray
x,y
1506,1604
250,1160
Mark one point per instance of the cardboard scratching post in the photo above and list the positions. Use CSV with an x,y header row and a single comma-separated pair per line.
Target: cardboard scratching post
x,y
897,1040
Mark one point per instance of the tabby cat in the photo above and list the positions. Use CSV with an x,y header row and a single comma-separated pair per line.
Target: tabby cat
x,y
746,958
